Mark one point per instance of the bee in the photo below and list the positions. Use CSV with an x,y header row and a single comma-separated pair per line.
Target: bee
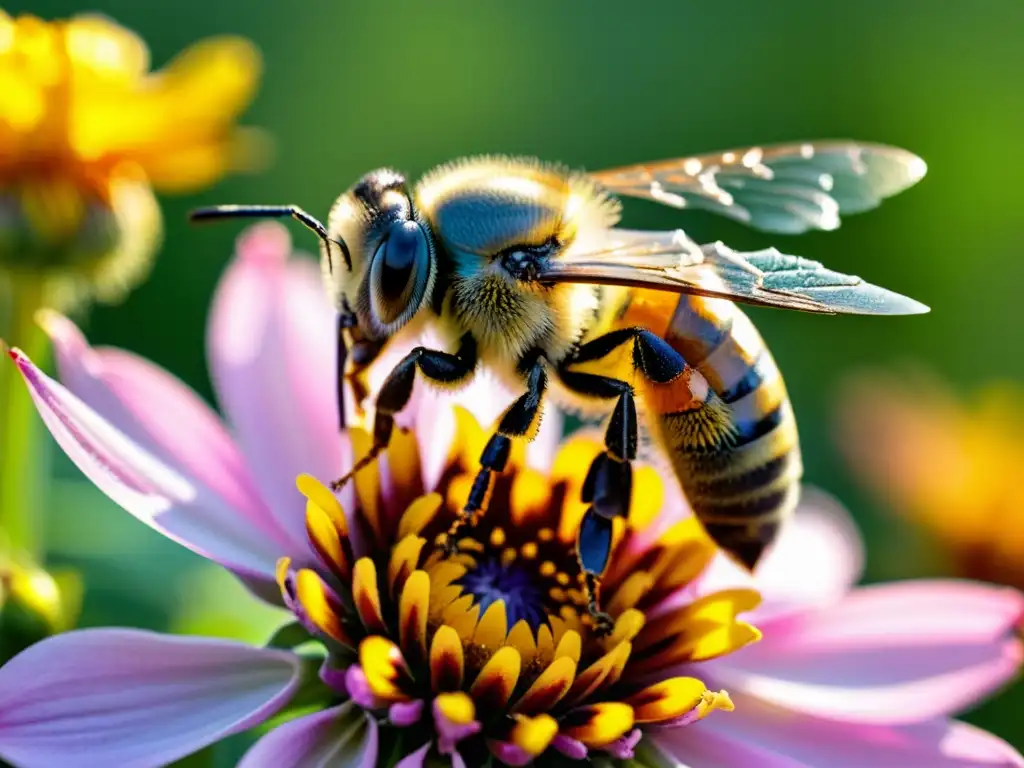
x,y
519,265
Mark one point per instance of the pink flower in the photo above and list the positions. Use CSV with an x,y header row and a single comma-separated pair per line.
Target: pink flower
x,y
842,678
848,677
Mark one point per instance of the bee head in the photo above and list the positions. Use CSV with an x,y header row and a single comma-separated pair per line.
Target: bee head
x,y
390,265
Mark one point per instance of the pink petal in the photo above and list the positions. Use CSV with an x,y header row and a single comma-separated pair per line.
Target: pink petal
x,y
271,347
342,737
759,735
145,486
134,699
415,759
818,557
162,415
892,653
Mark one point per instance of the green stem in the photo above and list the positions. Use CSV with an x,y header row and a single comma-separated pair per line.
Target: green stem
x,y
23,451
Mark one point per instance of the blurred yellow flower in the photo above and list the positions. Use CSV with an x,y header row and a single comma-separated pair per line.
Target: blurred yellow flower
x,y
34,603
953,467
87,132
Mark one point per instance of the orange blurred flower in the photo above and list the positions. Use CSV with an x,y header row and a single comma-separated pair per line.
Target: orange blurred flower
x,y
87,132
953,466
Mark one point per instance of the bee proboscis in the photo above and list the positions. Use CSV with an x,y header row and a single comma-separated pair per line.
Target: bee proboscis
x,y
520,266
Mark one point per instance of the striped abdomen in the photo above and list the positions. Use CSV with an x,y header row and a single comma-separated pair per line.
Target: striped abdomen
x,y
743,479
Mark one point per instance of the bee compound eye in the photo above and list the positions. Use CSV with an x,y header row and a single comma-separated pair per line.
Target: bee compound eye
x,y
399,272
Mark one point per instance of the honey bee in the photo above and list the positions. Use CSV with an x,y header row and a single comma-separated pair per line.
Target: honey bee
x,y
520,266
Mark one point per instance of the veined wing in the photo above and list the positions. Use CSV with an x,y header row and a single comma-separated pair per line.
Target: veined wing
x,y
786,188
673,262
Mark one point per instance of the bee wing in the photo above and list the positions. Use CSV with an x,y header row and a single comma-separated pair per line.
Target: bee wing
x,y
670,261
786,188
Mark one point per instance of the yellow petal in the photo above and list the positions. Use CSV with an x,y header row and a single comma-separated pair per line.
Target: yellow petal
x,y
490,632
321,608
385,669
549,687
520,637
323,535
533,734
597,725
470,439
591,679
699,618
446,660
412,616
570,645
367,482
667,699
418,515
405,557
687,551
494,685
530,496
366,596
403,460
723,641
462,615
646,498
627,626
545,645
457,707
281,571
573,460
320,495
629,592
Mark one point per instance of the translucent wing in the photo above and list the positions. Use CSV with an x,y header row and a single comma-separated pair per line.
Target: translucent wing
x,y
671,261
787,188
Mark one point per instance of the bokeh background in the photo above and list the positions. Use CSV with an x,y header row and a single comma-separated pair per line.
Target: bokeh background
x,y
352,86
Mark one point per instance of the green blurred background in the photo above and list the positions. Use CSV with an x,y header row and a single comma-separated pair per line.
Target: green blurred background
x,y
353,86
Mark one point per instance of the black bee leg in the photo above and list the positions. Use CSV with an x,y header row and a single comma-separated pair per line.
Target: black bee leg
x,y
609,482
438,367
520,419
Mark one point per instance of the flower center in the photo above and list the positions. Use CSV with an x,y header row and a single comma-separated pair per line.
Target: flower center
x,y
523,596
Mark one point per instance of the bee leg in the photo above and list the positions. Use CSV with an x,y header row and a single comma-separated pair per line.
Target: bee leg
x,y
438,367
609,482
519,420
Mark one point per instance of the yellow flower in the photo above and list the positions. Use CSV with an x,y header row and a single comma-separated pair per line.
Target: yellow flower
x,y
87,132
34,604
952,467
491,651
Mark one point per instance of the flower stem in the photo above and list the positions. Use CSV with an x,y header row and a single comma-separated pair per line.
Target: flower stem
x,y
23,452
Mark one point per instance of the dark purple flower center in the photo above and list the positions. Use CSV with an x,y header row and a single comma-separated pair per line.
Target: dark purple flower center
x,y
491,581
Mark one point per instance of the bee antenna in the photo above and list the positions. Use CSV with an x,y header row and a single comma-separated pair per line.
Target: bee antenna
x,y
276,211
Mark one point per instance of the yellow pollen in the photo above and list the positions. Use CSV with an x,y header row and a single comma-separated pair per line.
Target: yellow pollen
x,y
470,545
508,556
529,550
557,594
547,569
563,578
545,534
497,537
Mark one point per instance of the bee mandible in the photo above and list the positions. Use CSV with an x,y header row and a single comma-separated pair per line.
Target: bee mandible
x,y
520,266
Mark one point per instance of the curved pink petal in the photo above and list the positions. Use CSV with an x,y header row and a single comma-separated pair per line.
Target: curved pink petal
x,y
892,653
818,557
145,486
340,737
134,699
271,343
759,735
162,415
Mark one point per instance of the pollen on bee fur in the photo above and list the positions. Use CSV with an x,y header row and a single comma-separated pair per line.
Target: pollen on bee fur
x,y
704,428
